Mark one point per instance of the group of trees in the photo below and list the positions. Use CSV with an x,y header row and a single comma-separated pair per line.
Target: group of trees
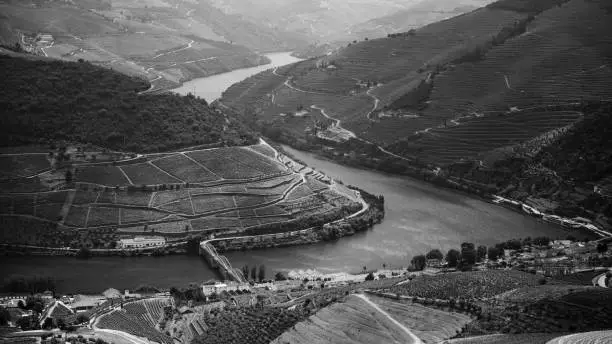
x,y
255,273
30,284
469,254
57,100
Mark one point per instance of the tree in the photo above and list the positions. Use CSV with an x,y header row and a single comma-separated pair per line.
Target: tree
x,y
262,273
245,271
435,254
83,253
280,276
602,247
254,273
452,257
541,241
493,253
369,277
468,253
5,316
481,252
81,318
419,262
61,324
35,303
68,176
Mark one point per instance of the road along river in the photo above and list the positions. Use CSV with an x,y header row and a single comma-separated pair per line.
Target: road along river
x,y
419,217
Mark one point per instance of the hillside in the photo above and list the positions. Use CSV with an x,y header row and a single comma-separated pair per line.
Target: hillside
x,y
319,21
45,100
413,92
167,42
414,16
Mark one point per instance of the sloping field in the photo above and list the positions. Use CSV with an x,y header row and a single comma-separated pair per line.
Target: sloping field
x,y
595,337
559,60
466,284
492,72
23,165
137,318
531,338
358,321
147,197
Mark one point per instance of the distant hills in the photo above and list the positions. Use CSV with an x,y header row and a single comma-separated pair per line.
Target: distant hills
x,y
166,42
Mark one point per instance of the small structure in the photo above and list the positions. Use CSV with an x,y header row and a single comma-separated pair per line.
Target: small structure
x,y
141,242
219,287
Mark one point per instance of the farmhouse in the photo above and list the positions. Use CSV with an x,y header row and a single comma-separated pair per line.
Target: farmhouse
x,y
141,242
218,287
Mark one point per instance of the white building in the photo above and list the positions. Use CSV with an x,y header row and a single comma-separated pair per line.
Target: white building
x,y
219,287
142,242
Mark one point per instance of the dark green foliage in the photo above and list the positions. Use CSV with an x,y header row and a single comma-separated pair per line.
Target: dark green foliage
x,y
452,257
250,325
5,316
30,284
369,277
527,6
493,253
585,153
54,100
435,254
419,262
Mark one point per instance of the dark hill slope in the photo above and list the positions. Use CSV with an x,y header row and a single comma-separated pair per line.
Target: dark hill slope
x,y
52,100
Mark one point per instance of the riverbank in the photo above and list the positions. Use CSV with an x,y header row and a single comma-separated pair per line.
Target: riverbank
x,y
211,87
371,213
435,176
162,85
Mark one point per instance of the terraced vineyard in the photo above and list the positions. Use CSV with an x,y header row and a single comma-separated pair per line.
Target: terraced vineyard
x,y
468,285
138,318
498,76
178,194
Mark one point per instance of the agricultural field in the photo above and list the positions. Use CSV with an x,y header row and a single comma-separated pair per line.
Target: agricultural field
x,y
176,194
183,168
100,175
23,165
451,90
467,285
138,318
532,338
366,319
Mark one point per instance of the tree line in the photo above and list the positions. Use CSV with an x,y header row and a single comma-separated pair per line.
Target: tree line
x,y
469,254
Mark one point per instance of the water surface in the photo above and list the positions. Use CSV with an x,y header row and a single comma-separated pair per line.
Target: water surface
x,y
211,88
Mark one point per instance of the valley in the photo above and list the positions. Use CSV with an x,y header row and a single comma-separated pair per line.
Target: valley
x,y
454,102
256,172
164,42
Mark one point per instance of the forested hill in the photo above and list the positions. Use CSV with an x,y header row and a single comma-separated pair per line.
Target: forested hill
x,y
43,100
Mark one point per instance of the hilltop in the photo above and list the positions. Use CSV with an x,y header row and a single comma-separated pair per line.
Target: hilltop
x,y
46,100
167,42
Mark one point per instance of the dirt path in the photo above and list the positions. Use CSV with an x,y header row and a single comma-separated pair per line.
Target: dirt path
x,y
415,339
376,102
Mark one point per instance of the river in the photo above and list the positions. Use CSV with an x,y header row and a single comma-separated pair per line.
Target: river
x,y
212,87
419,217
